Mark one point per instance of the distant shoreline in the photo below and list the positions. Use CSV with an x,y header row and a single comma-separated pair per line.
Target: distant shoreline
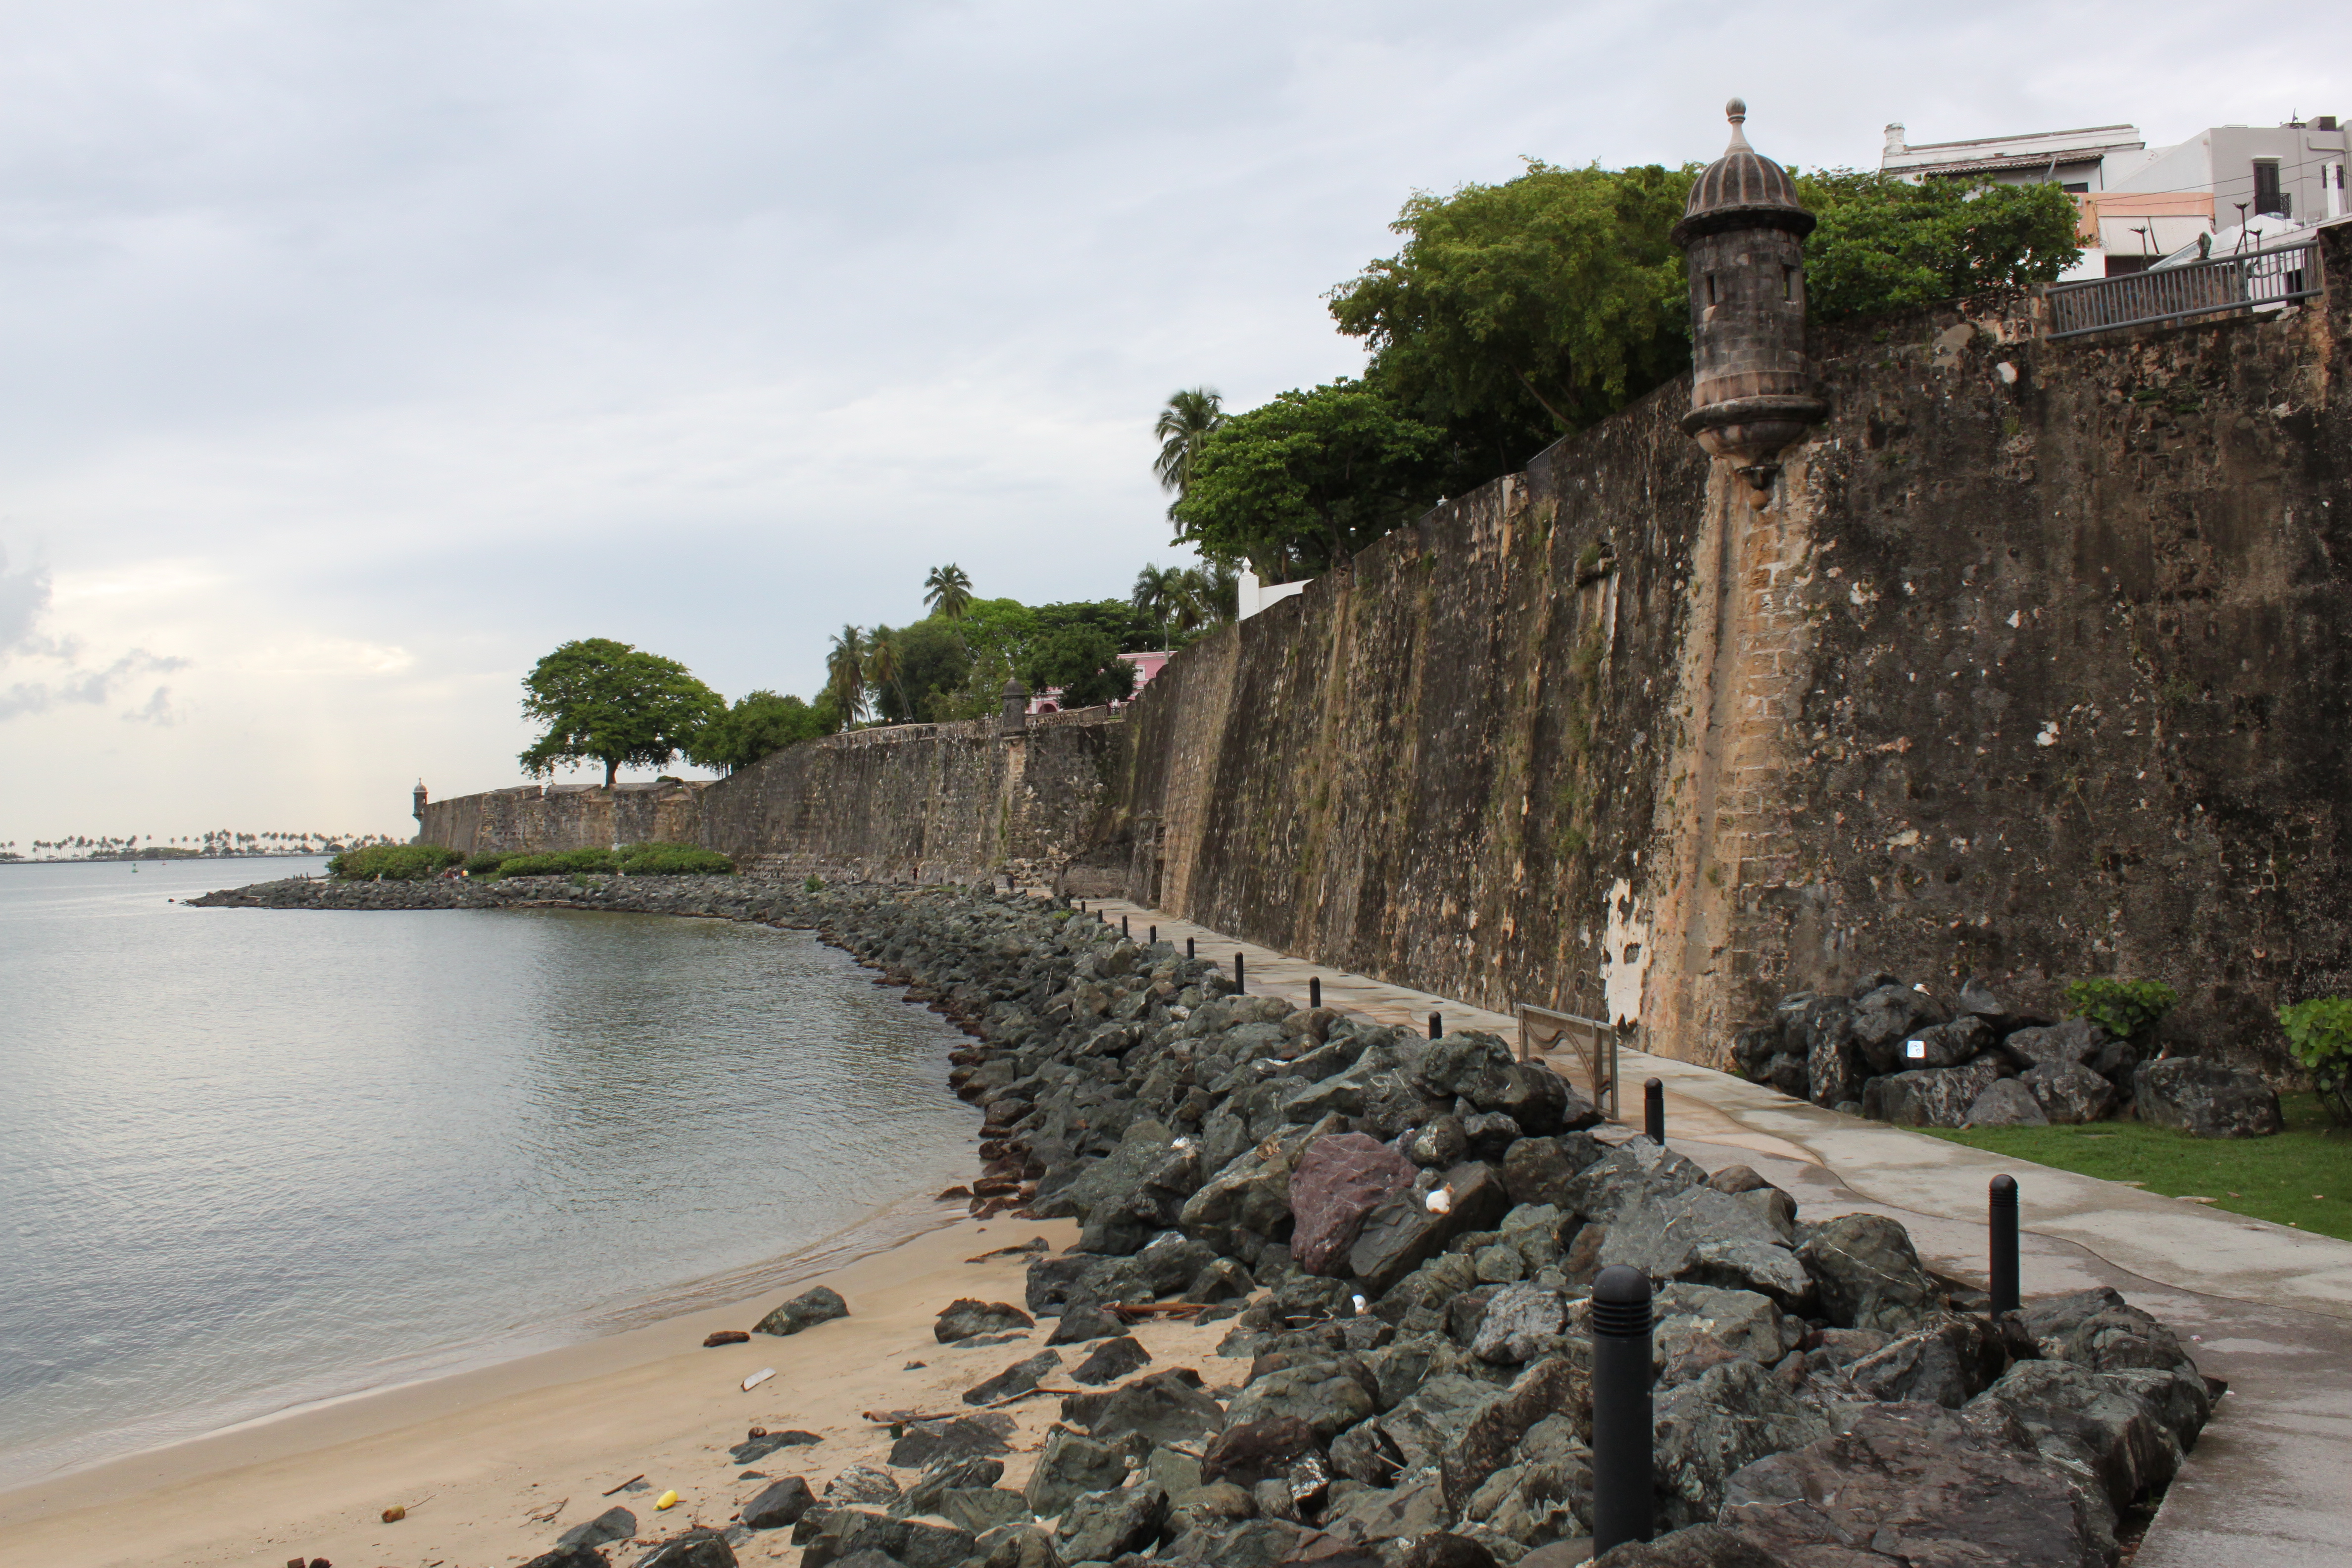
x,y
166,859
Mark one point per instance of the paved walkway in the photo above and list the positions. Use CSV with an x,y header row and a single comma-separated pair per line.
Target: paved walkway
x,y
2267,1307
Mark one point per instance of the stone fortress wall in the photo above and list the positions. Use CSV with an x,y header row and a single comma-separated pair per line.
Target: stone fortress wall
x,y
2033,663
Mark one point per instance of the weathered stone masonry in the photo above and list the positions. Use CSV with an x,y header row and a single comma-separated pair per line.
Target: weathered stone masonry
x,y
2031,663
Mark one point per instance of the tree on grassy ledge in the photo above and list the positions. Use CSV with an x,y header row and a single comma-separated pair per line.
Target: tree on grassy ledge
x,y
606,702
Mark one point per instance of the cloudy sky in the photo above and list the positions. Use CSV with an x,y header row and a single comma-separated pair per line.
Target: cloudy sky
x,y
354,355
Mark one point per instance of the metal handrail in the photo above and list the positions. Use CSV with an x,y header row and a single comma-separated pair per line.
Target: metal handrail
x,y
2259,280
1542,1028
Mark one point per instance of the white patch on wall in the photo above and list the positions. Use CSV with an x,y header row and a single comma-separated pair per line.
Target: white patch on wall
x,y
1624,953
2048,735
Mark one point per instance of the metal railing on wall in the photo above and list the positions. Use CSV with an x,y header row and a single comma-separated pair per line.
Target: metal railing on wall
x,y
1593,1041
2261,279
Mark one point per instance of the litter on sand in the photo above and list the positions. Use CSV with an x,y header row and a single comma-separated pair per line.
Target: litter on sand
x,y
667,1500
759,1377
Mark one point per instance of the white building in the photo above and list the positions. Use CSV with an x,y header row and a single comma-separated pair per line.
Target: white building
x,y
2139,203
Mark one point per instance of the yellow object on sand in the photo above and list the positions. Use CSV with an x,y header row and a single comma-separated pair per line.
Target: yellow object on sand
x,y
667,1500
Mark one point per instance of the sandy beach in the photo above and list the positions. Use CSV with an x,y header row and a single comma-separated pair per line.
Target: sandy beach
x,y
473,1456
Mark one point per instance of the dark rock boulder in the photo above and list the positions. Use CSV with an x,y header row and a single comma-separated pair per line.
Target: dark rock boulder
x,y
1171,1261
952,1474
2007,1102
821,1305
1071,1464
1493,1430
1249,1452
1948,1363
860,1485
1336,1181
1082,1278
1100,1526
2206,1098
1730,1416
1884,1017
561,1557
1867,1273
1167,1407
612,1524
695,1549
914,1543
776,1506
1835,1068
929,1442
1694,1546
1931,1096
1111,1359
1538,1169
2098,1329
754,1449
1707,1236
2068,1092
1019,1378
1520,1322
2097,1419
1079,1324
1945,1044
2075,1041
965,1318
1408,1229
1328,1393
1909,1484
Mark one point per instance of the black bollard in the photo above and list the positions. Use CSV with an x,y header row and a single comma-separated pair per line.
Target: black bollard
x,y
1237,974
1436,1024
1653,1111
1622,1467
1153,940
1122,925
2003,1271
1314,991
1189,952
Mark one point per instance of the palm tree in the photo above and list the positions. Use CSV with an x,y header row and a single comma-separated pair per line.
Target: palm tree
x,y
882,664
1212,595
1160,594
844,669
1190,415
948,591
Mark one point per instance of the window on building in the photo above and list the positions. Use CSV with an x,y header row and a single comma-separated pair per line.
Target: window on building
x,y
2077,188
2118,266
2268,197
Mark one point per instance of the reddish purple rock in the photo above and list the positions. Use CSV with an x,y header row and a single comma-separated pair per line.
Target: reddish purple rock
x,y
1339,1178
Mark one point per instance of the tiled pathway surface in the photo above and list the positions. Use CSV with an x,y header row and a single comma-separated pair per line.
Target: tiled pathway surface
x,y
2270,1485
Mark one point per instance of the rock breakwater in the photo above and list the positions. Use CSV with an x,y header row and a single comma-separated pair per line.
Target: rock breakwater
x,y
1402,1234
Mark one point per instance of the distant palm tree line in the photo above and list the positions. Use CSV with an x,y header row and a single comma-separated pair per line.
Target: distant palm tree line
x,y
220,841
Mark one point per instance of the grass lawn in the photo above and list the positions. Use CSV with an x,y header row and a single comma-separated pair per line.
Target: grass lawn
x,y
2302,1177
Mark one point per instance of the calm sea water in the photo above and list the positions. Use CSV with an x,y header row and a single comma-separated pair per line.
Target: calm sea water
x,y
250,1159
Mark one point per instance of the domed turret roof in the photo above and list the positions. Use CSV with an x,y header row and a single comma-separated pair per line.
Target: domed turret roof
x,y
1742,189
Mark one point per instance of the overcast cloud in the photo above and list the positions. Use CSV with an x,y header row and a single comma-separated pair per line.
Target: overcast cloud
x,y
356,354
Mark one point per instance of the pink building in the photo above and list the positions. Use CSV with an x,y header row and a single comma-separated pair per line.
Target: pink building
x,y
1147,665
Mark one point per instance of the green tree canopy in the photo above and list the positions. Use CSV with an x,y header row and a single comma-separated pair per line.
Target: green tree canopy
x,y
606,702
1081,658
1308,478
1885,244
929,665
758,725
1517,313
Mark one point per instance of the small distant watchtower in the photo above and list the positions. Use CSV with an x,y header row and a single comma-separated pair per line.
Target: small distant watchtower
x,y
1754,393
419,810
1014,704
